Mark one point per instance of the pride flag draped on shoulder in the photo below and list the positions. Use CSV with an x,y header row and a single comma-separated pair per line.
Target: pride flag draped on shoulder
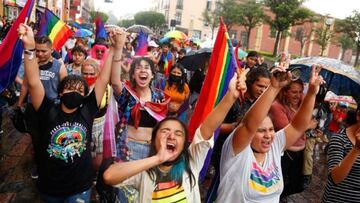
x,y
11,49
221,69
55,29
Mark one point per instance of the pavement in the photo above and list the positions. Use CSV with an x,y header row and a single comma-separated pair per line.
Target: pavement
x,y
16,161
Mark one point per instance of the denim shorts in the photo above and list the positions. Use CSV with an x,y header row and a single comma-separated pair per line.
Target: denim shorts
x,y
138,149
82,197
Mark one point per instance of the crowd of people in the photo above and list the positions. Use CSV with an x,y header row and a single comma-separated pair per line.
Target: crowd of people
x,y
267,130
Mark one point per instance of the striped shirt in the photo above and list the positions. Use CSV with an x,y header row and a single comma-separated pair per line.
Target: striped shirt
x,y
168,192
347,190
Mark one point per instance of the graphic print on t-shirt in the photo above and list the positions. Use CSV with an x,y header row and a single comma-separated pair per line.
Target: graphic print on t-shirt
x,y
265,181
67,140
168,192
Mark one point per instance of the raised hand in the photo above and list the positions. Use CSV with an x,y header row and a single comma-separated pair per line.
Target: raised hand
x,y
315,79
282,80
26,35
164,154
117,37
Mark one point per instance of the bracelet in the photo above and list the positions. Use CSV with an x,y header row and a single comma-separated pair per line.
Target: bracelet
x,y
117,60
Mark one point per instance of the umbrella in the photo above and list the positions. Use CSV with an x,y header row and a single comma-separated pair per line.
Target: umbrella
x,y
241,53
177,35
347,100
341,79
83,33
139,28
194,60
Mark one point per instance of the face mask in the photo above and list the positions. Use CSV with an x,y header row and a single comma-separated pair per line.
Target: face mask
x,y
72,100
90,80
175,78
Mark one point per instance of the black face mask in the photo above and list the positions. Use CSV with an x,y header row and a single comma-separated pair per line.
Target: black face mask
x,y
72,100
175,78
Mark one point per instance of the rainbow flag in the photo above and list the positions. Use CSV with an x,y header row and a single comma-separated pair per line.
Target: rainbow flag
x,y
221,69
100,29
11,49
56,29
142,44
167,59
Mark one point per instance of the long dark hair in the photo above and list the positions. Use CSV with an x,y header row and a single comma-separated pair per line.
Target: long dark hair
x,y
179,85
183,158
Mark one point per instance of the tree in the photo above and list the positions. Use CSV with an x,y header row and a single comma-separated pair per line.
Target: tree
x,y
287,13
151,19
126,23
303,35
211,18
346,42
351,26
251,14
104,17
229,10
323,36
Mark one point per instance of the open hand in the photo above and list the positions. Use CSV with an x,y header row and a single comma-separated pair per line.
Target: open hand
x,y
164,154
26,35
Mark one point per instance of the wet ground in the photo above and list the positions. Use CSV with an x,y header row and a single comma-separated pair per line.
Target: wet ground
x,y
16,161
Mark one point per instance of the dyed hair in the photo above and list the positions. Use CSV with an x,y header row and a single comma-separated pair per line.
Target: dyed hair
x,y
137,62
181,84
73,82
91,62
183,160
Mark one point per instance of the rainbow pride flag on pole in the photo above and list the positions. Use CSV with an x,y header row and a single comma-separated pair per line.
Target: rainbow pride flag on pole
x,y
221,69
56,29
11,49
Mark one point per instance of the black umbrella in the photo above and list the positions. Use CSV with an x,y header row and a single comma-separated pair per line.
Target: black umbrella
x,y
195,59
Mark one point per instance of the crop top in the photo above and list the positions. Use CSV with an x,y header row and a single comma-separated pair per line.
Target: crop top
x,y
146,120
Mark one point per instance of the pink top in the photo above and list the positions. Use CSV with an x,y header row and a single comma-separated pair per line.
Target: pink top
x,y
281,116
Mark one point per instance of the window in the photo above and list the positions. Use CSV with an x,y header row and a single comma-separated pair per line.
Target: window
x,y
208,5
217,6
179,4
232,34
178,17
272,33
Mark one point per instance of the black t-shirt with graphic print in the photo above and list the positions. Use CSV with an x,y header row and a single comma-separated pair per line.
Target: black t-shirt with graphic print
x,y
64,150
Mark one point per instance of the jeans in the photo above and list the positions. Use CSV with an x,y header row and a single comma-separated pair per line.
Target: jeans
x,y
138,150
82,197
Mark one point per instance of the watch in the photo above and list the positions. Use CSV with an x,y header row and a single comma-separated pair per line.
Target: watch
x,y
29,52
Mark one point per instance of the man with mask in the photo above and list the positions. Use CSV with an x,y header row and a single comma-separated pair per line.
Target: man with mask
x,y
65,172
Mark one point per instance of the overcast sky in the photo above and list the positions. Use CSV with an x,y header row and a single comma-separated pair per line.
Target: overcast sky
x,y
336,8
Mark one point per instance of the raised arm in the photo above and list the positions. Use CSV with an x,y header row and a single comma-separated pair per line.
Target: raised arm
x,y
116,63
257,113
117,38
299,123
31,67
118,172
217,116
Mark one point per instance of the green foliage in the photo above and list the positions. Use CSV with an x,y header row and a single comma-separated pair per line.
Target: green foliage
x,y
211,18
323,36
346,42
151,19
251,14
104,17
229,10
287,13
126,23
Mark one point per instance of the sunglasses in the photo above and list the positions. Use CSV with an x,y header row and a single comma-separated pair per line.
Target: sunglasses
x,y
100,51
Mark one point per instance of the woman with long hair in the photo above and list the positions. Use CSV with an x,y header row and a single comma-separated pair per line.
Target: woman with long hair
x,y
178,90
171,172
250,166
